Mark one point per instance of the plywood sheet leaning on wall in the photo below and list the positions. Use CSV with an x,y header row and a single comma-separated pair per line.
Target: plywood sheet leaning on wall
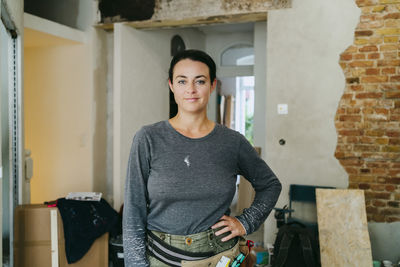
x,y
343,229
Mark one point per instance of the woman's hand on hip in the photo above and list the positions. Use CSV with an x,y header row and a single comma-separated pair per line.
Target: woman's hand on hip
x,y
229,224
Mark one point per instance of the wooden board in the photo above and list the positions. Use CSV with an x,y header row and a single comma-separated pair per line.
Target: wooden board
x,y
343,229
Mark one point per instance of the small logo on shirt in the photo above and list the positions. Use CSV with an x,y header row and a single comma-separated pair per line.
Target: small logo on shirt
x,y
186,160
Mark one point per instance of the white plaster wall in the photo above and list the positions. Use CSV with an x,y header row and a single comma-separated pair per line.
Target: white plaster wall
x,y
141,93
260,58
303,47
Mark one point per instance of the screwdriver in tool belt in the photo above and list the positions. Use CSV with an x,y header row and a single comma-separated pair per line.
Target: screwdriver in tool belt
x,y
238,260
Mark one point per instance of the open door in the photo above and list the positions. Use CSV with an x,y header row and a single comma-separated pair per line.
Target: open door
x,y
141,93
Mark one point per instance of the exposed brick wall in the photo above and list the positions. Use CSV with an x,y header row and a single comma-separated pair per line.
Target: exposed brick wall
x,y
368,115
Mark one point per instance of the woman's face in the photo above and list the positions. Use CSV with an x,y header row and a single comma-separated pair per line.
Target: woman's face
x,y
191,85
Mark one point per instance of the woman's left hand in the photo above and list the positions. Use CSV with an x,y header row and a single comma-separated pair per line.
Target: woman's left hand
x,y
231,225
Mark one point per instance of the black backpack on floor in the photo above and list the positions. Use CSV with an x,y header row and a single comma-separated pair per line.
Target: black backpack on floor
x,y
295,246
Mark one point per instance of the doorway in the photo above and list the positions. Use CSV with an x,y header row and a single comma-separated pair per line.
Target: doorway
x,y
58,106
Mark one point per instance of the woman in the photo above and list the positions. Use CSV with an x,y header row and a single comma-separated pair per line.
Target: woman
x,y
182,177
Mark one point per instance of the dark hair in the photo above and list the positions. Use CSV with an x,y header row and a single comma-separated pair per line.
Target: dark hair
x,y
195,55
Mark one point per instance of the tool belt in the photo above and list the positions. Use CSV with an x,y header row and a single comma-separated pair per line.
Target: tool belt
x,y
171,255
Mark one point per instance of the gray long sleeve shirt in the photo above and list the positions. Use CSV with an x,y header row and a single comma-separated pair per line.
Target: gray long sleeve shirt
x,y
181,185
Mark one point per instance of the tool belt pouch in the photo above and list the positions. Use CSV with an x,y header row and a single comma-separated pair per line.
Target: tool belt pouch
x,y
240,246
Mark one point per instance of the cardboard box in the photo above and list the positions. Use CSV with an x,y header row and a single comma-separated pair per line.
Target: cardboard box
x,y
38,244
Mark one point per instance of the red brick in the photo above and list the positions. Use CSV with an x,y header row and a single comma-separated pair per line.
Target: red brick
x,y
390,55
353,110
368,110
370,209
351,162
351,49
351,170
390,63
390,211
374,79
394,79
351,139
357,87
391,219
377,195
351,132
389,87
369,48
390,180
392,94
359,56
361,63
372,71
366,140
378,164
395,149
381,141
392,133
353,186
383,111
346,57
339,155
374,133
350,118
364,33
341,111
388,71
378,187
369,16
394,141
390,188
368,95
388,47
378,218
392,16
347,96
374,56
379,171
379,203
394,118
362,178
394,172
